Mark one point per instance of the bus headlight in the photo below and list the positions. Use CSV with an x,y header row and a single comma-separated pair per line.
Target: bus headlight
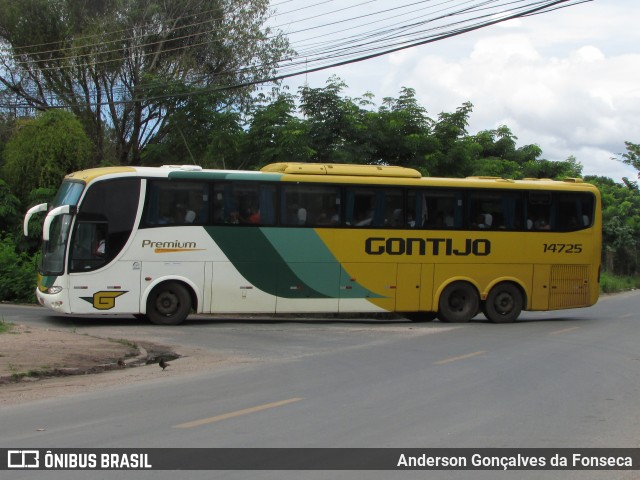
x,y
54,290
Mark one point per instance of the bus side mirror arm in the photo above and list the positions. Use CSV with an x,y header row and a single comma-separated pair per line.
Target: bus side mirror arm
x,y
33,210
61,210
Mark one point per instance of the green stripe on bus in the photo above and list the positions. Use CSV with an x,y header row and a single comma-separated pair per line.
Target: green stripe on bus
x,y
225,175
289,263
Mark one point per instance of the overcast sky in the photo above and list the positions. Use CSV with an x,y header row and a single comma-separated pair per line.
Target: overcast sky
x,y
567,80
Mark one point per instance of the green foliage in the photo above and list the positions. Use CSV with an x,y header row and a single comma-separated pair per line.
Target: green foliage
x,y
276,134
128,67
43,150
610,283
632,156
18,278
4,326
620,224
10,213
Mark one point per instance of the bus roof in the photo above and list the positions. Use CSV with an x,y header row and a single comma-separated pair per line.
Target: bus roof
x,y
330,173
342,169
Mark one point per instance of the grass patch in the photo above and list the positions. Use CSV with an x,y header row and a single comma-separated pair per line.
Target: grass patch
x,y
612,283
4,326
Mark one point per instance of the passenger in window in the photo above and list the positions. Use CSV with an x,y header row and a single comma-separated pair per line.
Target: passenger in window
x,y
482,221
297,215
234,217
364,219
100,245
541,224
183,215
254,215
302,216
411,221
329,218
397,220
448,220
335,216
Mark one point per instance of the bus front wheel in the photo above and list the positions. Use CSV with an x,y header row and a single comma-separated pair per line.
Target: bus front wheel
x,y
458,303
168,304
504,303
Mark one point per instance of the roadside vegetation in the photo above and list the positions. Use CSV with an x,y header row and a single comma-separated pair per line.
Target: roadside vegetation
x,y
4,326
158,101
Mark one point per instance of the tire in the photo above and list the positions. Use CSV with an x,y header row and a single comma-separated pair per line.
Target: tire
x,y
168,304
419,317
504,303
458,303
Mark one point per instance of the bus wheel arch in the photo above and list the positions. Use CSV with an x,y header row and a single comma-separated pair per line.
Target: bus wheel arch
x,y
458,302
505,302
169,302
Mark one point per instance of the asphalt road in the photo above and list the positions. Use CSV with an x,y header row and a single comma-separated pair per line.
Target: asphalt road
x,y
564,379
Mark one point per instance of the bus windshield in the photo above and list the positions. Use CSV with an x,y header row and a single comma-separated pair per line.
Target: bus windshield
x,y
53,251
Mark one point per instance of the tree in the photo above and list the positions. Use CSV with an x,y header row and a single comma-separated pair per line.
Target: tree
x,y
400,131
225,141
10,213
130,65
455,151
43,150
333,123
620,223
276,135
569,168
632,156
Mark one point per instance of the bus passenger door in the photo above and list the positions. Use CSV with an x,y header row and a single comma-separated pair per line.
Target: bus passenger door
x,y
97,282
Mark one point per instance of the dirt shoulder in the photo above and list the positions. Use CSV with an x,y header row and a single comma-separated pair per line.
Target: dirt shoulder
x,y
38,363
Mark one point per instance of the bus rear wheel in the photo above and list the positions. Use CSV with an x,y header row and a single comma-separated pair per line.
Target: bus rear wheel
x,y
504,303
458,303
168,304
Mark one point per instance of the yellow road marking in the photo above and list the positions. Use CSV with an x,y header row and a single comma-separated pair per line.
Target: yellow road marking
x,y
564,330
460,357
238,413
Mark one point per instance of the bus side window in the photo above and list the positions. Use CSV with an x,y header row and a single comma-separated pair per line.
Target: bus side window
x,y
89,248
540,214
375,207
244,203
310,205
176,203
574,211
435,209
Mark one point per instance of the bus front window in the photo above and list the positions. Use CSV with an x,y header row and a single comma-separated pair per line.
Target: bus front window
x,y
53,251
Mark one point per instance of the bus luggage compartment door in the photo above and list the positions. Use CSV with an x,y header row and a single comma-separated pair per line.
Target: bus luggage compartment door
x,y
414,289
368,287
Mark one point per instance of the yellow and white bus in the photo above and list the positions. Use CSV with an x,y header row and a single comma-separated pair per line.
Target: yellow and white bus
x,y
166,241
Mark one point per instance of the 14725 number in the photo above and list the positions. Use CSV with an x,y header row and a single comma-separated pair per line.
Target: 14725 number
x,y
562,247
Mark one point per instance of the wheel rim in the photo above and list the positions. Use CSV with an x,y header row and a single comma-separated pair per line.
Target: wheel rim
x,y
167,303
504,303
458,301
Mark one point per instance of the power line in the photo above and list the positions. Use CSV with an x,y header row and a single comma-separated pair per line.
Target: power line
x,y
462,17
